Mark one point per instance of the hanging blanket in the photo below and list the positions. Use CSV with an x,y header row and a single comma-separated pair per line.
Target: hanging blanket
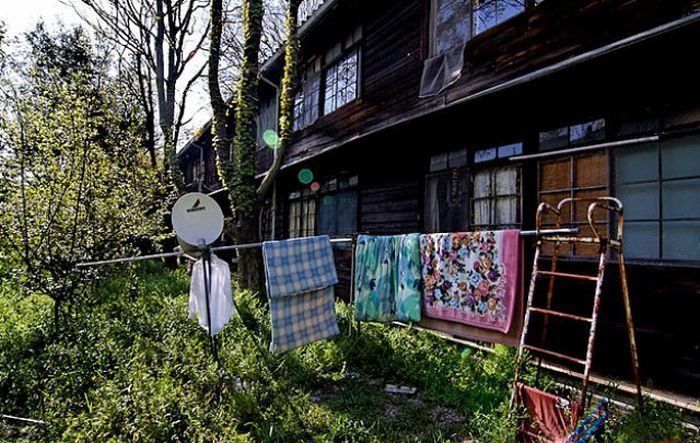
x,y
408,279
388,278
374,278
300,274
472,278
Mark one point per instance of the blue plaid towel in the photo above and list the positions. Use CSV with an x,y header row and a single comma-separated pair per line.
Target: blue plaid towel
x,y
298,265
300,275
302,319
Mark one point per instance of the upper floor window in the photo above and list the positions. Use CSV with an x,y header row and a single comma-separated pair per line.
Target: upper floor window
x,y
456,21
306,101
489,13
341,77
341,82
329,81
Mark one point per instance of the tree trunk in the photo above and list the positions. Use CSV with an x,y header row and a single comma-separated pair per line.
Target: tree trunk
x,y
221,132
166,103
243,193
289,80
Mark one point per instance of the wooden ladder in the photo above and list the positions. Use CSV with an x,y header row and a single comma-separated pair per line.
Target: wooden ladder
x,y
605,243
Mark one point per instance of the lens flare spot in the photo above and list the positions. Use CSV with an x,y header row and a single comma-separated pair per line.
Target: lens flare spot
x,y
271,139
327,200
315,186
306,176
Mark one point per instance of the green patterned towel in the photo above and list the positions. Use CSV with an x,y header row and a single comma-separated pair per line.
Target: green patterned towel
x,y
387,278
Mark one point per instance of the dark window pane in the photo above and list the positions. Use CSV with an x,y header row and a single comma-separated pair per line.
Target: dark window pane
x,y
438,162
555,138
680,157
457,158
681,240
347,213
327,211
587,132
510,150
639,163
681,199
485,155
641,240
641,201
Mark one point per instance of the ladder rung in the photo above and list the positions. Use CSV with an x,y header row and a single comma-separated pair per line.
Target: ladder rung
x,y
555,354
573,239
567,275
561,314
569,239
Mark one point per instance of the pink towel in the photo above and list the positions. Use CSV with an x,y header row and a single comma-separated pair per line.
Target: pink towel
x,y
472,277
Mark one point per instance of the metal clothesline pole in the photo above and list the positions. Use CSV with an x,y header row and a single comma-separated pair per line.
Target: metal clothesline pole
x,y
183,254
259,244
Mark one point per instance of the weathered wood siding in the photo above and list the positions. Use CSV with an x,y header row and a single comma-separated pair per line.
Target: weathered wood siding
x,y
395,45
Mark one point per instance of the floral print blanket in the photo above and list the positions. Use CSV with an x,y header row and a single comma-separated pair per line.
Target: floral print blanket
x,y
472,277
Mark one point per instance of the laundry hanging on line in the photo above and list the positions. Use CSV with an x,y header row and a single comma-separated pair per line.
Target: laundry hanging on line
x,y
387,280
221,307
472,277
300,276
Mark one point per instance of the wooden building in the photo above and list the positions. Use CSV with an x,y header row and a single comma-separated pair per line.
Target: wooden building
x,y
447,115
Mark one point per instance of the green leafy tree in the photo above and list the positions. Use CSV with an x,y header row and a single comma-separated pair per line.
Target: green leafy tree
x,y
74,180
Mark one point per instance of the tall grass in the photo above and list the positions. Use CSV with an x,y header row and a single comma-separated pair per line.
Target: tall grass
x,y
131,367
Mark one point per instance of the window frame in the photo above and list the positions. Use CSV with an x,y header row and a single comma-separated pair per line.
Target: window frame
x,y
305,195
572,192
470,169
356,48
493,197
660,220
432,27
302,230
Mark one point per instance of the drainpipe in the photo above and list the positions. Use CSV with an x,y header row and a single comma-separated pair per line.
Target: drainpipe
x,y
274,153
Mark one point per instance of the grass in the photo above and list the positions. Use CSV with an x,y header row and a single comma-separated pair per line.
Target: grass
x,y
130,366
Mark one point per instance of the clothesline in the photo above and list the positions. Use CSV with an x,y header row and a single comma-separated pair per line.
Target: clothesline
x,y
259,244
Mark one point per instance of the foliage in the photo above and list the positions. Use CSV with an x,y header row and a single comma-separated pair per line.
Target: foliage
x,y
73,181
134,368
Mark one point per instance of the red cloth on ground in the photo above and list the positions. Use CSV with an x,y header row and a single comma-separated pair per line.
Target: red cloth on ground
x,y
550,418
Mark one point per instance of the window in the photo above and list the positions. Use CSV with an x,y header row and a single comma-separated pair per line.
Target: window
x,y
456,21
451,24
302,214
331,210
659,184
447,201
577,134
495,201
337,209
341,82
505,151
306,100
583,176
489,13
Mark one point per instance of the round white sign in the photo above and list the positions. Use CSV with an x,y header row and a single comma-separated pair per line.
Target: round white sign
x,y
197,219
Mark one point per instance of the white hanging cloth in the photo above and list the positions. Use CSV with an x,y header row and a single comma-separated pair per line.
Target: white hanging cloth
x,y
220,299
